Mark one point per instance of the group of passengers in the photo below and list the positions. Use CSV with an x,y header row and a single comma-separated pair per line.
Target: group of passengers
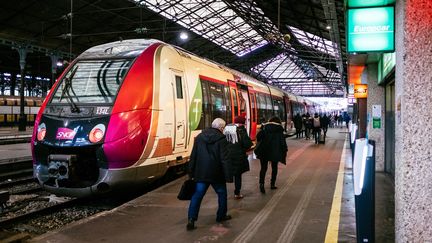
x,y
219,156
306,125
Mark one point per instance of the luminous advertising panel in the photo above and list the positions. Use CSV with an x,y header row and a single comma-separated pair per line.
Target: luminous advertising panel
x,y
360,91
368,3
371,29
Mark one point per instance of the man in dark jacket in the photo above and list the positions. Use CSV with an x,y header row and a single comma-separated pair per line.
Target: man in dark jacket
x,y
298,124
209,165
239,143
273,148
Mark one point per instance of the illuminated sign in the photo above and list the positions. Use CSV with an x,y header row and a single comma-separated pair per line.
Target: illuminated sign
x,y
360,91
371,29
368,3
64,133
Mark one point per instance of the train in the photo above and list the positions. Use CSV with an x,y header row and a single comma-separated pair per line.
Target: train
x,y
10,110
123,113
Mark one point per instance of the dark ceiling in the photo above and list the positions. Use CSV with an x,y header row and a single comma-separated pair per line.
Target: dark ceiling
x,y
44,28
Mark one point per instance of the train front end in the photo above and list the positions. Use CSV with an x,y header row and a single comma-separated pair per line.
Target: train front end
x,y
93,126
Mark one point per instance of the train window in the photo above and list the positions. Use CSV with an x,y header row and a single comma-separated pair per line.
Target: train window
x,y
278,108
92,81
217,101
205,120
269,108
234,97
252,100
179,87
228,106
261,101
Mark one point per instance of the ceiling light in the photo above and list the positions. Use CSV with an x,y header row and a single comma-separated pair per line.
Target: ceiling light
x,y
184,36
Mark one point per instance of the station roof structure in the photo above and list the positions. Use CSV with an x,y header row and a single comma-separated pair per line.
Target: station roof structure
x,y
297,45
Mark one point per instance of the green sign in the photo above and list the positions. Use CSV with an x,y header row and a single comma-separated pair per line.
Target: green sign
x,y
368,3
376,123
371,30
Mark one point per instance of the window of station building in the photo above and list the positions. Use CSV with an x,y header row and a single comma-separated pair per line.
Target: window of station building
x,y
179,87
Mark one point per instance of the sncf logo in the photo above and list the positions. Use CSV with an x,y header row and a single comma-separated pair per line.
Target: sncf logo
x,y
64,133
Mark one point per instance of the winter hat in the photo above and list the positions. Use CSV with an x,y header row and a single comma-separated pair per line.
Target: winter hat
x,y
239,120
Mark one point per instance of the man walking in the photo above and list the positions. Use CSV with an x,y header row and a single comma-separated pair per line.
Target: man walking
x,y
209,166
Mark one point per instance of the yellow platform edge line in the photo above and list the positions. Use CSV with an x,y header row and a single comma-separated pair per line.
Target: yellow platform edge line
x,y
333,223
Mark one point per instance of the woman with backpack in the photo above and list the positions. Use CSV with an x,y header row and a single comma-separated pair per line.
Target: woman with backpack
x,y
271,148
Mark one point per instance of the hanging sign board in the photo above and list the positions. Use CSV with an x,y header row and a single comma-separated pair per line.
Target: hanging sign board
x,y
371,30
360,91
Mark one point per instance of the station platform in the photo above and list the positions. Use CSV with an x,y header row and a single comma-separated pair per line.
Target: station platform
x,y
314,202
13,132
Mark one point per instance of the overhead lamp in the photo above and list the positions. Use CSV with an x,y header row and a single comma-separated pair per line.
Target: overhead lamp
x,y
184,36
59,63
328,27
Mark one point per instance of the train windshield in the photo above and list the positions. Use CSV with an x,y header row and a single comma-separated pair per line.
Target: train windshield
x,y
92,81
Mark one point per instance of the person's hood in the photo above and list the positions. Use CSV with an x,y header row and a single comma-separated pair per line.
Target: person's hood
x,y
273,127
211,135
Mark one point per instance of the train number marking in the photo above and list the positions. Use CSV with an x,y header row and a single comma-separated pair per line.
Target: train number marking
x,y
102,110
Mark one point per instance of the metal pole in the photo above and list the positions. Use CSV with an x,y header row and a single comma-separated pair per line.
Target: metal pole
x,y
54,60
22,118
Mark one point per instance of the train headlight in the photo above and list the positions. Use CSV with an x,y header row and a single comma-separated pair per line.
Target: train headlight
x,y
41,132
97,133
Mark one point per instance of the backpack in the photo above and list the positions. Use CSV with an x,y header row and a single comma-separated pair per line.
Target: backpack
x,y
316,122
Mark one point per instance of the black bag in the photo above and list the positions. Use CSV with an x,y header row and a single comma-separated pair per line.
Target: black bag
x,y
187,190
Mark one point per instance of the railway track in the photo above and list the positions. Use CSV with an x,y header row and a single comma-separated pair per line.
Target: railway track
x,y
15,169
37,213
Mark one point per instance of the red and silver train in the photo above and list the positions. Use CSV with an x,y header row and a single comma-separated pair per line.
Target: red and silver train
x,y
123,113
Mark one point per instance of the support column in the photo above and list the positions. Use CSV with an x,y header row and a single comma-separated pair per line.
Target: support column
x,y
54,60
22,118
376,96
413,179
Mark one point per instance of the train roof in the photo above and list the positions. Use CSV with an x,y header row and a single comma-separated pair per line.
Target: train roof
x,y
134,47
123,48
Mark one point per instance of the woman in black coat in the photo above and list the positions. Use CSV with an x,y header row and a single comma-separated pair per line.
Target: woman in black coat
x,y
271,147
239,143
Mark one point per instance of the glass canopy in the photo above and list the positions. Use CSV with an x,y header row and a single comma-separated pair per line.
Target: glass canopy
x,y
213,20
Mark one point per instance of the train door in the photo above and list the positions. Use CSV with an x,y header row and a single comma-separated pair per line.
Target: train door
x,y
244,105
234,99
253,113
180,111
288,114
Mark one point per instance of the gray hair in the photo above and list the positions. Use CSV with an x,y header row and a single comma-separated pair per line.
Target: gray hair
x,y
218,123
